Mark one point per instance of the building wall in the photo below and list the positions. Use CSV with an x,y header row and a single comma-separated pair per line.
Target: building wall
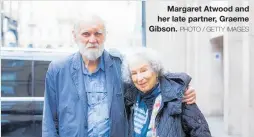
x,y
222,72
191,53
44,23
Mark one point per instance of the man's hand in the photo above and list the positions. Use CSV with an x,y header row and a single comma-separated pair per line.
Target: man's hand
x,y
189,95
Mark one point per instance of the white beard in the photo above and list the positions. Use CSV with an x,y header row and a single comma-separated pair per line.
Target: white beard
x,y
90,54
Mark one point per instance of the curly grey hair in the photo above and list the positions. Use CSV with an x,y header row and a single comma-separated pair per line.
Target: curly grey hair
x,y
142,53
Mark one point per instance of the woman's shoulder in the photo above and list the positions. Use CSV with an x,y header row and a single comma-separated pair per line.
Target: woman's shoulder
x,y
178,78
174,83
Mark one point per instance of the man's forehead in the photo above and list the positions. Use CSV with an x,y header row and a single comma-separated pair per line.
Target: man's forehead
x,y
91,25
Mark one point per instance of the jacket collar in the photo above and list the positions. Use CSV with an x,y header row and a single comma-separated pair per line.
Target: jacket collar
x,y
108,60
169,90
76,61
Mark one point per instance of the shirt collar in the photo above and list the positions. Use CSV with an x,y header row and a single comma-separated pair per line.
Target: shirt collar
x,y
100,66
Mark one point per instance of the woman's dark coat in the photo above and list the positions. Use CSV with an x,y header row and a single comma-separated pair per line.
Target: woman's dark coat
x,y
174,119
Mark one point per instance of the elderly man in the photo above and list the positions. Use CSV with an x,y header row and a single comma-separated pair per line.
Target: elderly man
x,y
84,92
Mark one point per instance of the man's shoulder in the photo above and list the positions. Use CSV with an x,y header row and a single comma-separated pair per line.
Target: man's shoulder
x,y
62,63
115,53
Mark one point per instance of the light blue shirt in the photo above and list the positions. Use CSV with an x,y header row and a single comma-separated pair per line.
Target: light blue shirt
x,y
98,113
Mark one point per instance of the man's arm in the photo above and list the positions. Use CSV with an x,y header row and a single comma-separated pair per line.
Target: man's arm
x,y
194,122
189,95
184,79
50,122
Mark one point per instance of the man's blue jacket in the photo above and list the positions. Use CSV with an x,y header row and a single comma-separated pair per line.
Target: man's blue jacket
x,y
65,105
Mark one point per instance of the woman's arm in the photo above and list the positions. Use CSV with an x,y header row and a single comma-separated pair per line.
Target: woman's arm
x,y
194,122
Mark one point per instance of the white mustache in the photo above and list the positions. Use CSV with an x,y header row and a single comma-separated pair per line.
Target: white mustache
x,y
92,45
93,53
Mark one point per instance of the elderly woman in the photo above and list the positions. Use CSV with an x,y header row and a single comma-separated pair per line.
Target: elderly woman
x,y
154,99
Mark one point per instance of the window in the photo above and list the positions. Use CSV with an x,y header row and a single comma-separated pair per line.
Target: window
x,y
22,117
16,78
40,69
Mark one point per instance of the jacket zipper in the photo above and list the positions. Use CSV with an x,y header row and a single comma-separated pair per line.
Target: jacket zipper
x,y
156,118
131,122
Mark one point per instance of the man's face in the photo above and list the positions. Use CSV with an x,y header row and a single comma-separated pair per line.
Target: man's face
x,y
90,38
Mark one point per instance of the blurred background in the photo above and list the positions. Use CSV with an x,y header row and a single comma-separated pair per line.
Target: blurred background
x,y
48,24
33,33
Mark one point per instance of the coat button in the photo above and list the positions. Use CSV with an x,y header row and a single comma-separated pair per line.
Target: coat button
x,y
199,121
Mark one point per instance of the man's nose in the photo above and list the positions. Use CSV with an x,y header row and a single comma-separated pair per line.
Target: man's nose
x,y
92,39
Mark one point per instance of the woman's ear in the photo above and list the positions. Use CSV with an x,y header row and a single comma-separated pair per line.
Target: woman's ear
x,y
157,77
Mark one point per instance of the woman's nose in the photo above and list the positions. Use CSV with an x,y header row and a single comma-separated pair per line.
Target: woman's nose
x,y
139,77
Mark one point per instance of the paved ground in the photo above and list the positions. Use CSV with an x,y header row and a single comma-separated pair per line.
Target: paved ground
x,y
216,127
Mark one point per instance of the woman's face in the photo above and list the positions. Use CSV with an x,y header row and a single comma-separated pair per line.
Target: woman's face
x,y
142,75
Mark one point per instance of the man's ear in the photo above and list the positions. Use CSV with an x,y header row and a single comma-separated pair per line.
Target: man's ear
x,y
74,35
105,35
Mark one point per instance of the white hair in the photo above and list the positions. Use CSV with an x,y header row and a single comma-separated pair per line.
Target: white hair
x,y
89,17
142,53
84,48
